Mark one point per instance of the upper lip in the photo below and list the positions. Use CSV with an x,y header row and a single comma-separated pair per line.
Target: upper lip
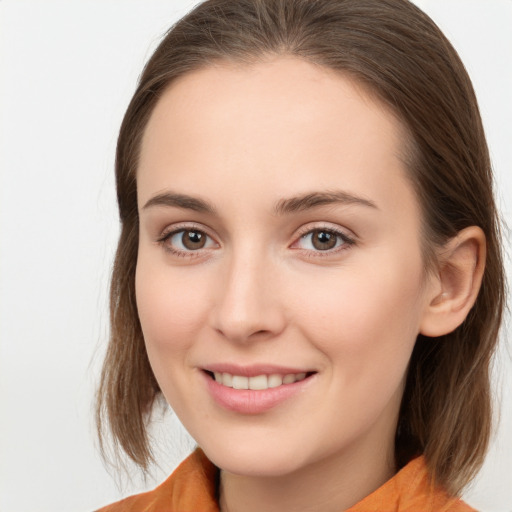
x,y
254,369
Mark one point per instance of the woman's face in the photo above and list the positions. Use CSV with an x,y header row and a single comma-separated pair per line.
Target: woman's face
x,y
279,250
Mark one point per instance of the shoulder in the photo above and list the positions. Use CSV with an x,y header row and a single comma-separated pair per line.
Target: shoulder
x,y
410,490
191,487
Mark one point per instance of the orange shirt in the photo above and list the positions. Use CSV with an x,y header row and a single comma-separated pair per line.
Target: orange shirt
x,y
192,488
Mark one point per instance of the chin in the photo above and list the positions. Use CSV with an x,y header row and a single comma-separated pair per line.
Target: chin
x,y
253,459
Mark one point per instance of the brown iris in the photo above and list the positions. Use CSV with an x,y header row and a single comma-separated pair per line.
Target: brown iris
x,y
193,239
323,240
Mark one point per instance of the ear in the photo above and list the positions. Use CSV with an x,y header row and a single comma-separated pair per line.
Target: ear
x,y
455,284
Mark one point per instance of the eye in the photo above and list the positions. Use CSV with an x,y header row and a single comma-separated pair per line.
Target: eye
x,y
323,240
186,241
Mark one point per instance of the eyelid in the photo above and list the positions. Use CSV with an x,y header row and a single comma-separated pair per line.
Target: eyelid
x,y
346,236
173,229
184,226
327,226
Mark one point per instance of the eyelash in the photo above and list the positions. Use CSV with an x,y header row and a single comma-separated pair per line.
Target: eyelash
x,y
346,241
167,235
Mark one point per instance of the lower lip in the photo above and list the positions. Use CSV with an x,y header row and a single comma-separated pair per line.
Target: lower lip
x,y
249,401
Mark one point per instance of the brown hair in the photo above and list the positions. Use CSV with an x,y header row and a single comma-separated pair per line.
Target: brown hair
x,y
398,53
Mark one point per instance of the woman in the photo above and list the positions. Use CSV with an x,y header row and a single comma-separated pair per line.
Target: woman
x,y
309,269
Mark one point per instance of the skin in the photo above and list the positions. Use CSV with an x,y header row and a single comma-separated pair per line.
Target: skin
x,y
243,139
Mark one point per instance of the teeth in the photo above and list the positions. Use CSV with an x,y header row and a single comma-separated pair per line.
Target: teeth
x,y
227,380
274,381
240,382
289,379
259,382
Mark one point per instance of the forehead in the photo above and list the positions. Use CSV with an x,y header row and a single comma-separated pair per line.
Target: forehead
x,y
276,124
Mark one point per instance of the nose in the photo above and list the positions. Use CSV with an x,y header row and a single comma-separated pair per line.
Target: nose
x,y
247,304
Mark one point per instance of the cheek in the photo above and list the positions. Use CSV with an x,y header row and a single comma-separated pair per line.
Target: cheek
x,y
169,306
367,319
172,309
366,327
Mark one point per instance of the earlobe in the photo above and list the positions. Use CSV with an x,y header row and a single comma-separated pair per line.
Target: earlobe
x,y
457,282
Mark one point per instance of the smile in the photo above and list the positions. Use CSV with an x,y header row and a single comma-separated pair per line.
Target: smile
x,y
258,382
255,389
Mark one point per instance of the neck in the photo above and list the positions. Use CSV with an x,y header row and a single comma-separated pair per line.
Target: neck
x,y
332,484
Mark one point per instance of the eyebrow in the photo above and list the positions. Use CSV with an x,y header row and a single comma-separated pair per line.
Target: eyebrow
x,y
283,206
314,199
181,201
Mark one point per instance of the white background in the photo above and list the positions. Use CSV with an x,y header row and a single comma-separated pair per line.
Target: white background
x,y
67,71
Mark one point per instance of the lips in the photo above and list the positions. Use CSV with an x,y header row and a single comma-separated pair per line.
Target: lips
x,y
254,389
